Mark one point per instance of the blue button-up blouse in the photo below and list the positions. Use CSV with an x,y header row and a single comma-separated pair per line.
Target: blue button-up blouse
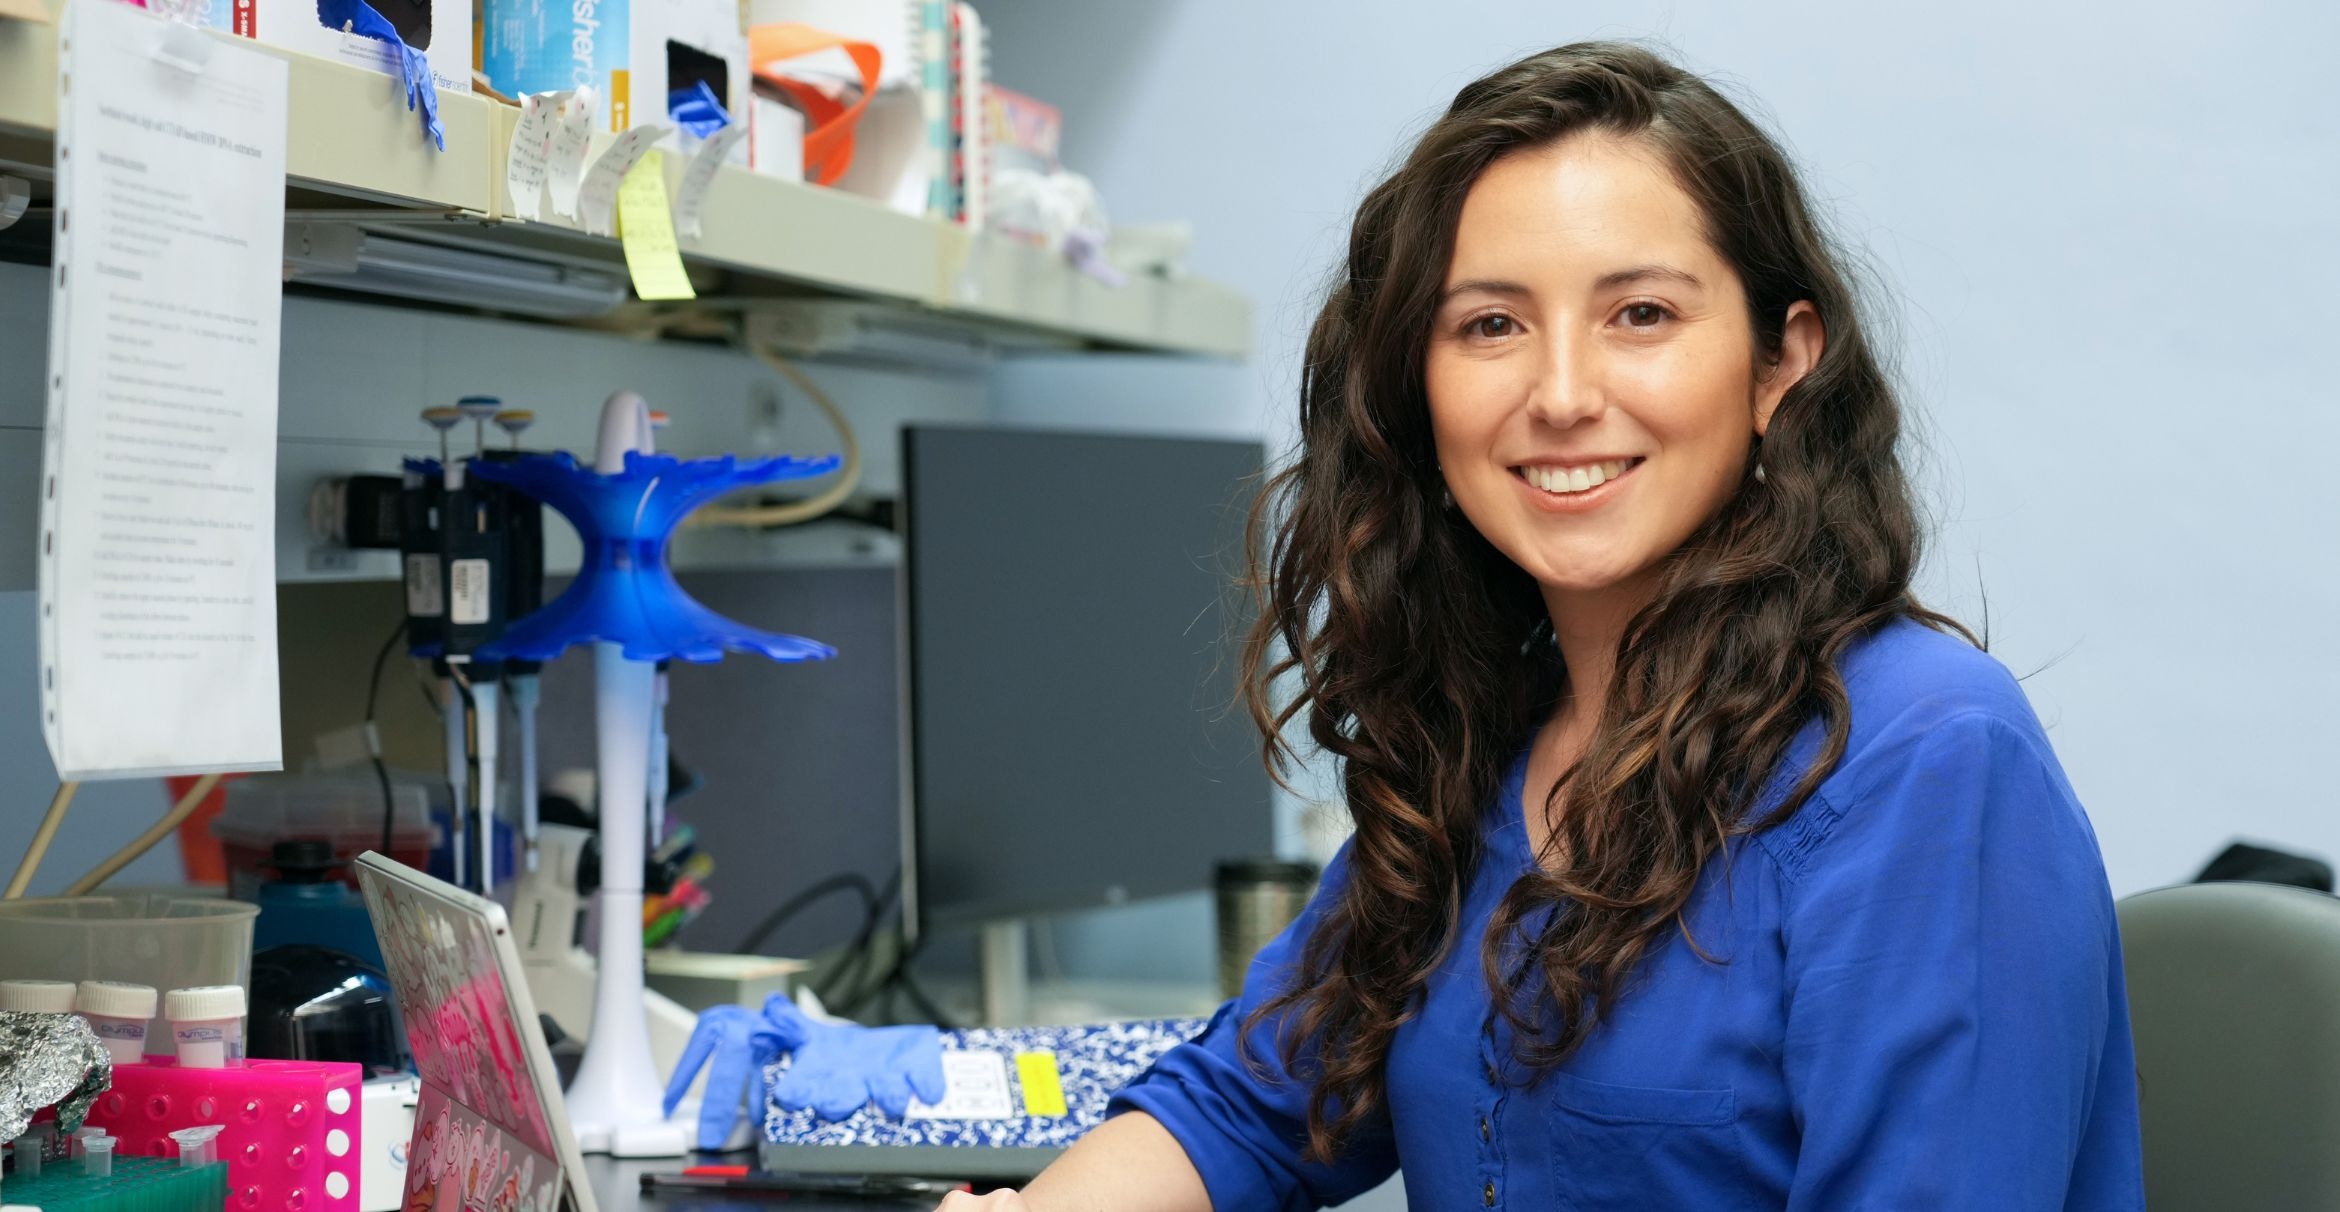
x,y
1913,1000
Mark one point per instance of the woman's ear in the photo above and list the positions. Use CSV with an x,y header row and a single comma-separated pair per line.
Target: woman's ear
x,y
1801,340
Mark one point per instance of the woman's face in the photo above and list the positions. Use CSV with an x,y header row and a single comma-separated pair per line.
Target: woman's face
x,y
1593,379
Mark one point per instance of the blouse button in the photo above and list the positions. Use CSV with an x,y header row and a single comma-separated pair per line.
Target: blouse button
x,y
1482,1127
1489,1193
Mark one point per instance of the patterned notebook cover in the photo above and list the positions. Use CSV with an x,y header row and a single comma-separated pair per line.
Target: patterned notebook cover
x,y
1091,1062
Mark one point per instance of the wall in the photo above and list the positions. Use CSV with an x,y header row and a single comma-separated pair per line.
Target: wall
x,y
2105,228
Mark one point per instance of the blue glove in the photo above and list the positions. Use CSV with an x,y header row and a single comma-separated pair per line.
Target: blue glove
x,y
723,1041
836,1068
414,69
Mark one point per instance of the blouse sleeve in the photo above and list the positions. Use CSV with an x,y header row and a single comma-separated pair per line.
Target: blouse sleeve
x,y
1244,1128
1953,982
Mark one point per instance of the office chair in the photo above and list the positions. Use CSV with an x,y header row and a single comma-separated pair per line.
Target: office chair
x,y
2234,995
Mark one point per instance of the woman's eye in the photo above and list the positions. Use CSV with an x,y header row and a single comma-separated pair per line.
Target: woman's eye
x,y
1491,326
1644,315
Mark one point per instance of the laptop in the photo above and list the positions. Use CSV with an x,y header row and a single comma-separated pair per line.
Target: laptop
x,y
490,1131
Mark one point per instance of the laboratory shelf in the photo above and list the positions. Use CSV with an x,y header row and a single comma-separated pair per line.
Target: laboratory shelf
x,y
354,148
349,133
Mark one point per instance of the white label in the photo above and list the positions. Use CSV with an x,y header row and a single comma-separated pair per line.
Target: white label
x,y
469,596
691,199
422,586
199,1035
975,1086
158,498
565,159
530,157
597,195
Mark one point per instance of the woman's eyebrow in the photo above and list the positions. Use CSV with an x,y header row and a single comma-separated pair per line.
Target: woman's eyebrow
x,y
1491,286
1612,280
1647,273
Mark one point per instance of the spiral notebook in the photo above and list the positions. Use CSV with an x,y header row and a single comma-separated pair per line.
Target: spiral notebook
x,y
1018,1096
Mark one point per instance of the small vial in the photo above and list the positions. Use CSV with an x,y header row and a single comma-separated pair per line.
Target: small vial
x,y
117,1011
28,1153
198,1146
207,1025
37,997
97,1156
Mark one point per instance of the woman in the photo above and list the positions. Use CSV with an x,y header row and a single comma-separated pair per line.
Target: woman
x,y
1696,865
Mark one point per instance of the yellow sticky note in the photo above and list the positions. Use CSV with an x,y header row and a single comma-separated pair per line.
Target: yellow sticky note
x,y
1043,1090
646,227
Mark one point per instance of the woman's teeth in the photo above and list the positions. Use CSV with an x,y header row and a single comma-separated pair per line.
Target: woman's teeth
x,y
1564,480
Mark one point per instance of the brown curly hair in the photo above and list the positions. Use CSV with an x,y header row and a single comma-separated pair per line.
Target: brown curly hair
x,y
1421,658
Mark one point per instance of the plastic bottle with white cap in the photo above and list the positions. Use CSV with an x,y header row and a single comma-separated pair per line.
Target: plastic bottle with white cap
x,y
117,1011
207,1025
37,997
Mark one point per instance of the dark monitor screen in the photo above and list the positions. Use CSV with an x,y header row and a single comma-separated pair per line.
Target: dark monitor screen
x,y
1071,622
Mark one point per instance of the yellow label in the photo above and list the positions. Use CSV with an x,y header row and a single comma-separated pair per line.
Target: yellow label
x,y
621,117
646,228
1043,1090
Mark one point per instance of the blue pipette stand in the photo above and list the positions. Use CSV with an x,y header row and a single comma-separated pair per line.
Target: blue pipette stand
x,y
624,593
625,602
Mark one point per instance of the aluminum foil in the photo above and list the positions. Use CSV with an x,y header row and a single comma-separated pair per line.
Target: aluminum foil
x,y
49,1059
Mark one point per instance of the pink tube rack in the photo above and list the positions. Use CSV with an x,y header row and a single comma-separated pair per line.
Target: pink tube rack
x,y
289,1129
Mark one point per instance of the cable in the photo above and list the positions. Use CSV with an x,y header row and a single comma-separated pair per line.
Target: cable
x,y
40,843
374,738
145,841
860,953
909,985
462,684
848,476
805,899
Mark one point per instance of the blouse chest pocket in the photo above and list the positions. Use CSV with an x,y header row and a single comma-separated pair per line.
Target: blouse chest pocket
x,y
1638,1147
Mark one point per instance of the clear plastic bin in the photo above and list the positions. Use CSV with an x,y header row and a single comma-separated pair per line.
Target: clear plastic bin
x,y
343,810
164,941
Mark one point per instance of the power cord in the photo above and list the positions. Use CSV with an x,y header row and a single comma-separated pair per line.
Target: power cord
x,y
849,881
728,323
848,476
145,841
39,849
374,736
858,952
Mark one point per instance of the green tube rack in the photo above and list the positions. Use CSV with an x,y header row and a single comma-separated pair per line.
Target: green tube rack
x,y
138,1184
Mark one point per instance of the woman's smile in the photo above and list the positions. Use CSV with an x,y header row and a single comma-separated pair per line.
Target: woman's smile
x,y
1576,486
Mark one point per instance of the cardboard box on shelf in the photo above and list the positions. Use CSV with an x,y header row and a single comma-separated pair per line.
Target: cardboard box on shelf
x,y
775,138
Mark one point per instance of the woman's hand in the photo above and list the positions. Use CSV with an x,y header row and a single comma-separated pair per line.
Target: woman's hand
x,y
997,1201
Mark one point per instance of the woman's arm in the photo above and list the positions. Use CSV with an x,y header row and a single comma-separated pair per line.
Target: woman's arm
x,y
1130,1163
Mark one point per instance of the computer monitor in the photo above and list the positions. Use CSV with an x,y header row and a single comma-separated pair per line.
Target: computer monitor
x,y
1071,624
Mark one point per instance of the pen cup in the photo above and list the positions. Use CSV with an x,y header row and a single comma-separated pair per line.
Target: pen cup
x,y
1257,898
